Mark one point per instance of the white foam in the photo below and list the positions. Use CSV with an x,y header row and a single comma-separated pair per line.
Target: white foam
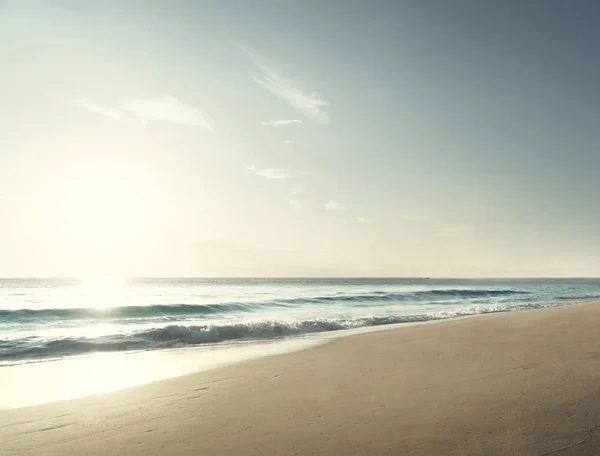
x,y
42,382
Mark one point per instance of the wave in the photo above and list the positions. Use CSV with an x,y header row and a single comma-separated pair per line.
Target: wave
x,y
175,336
588,297
173,311
116,313
427,295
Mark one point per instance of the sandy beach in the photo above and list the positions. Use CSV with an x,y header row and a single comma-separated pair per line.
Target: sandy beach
x,y
520,383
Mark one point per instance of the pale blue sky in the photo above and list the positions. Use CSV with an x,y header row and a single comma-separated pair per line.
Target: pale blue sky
x,y
314,138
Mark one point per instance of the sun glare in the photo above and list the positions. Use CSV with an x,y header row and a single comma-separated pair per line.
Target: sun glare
x,y
101,292
101,213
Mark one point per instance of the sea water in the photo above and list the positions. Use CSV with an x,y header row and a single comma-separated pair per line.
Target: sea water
x,y
52,321
55,318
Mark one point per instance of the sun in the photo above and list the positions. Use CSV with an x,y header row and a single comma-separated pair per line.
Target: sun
x,y
101,211
101,293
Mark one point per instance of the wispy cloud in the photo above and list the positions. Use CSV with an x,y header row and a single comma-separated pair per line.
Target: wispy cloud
x,y
167,108
360,219
140,110
289,141
271,173
296,203
334,206
298,191
311,104
106,111
282,123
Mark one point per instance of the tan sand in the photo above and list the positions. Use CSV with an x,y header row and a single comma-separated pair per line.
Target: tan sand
x,y
524,383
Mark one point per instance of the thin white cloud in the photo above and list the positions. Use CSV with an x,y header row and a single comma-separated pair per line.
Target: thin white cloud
x,y
298,191
106,111
288,142
281,123
271,173
334,206
296,203
311,105
360,219
167,108
139,110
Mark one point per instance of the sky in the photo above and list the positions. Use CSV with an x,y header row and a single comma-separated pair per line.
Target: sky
x,y
299,138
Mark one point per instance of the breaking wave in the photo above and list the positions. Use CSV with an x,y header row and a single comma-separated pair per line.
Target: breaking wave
x,y
175,311
173,336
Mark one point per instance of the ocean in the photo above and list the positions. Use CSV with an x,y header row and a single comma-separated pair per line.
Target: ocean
x,y
44,320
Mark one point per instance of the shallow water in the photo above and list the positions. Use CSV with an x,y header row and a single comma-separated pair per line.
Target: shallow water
x,y
50,319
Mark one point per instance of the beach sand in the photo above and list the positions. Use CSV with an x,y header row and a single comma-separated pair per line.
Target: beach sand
x,y
521,383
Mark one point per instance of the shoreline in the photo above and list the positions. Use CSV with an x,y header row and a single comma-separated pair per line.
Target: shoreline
x,y
513,383
144,367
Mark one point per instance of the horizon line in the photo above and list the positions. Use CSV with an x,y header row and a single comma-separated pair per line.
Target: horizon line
x,y
297,277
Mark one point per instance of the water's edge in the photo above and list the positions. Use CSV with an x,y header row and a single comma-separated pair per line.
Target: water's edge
x,y
37,383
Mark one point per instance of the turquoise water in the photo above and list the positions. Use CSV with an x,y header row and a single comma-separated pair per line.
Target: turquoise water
x,y
42,320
